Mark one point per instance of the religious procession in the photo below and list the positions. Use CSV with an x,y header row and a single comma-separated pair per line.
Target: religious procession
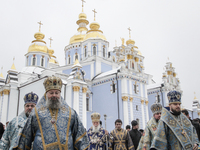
x,y
51,124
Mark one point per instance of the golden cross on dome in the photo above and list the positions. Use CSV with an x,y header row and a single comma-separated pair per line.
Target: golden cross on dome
x,y
82,4
129,32
1,68
50,40
94,13
40,24
13,59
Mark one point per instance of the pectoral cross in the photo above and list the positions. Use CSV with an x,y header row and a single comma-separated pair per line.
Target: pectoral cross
x,y
94,13
40,24
183,133
129,32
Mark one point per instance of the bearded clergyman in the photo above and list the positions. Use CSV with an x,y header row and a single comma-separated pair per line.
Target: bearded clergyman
x,y
97,135
16,125
53,125
175,131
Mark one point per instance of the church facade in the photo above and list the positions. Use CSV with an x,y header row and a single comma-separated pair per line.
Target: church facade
x,y
112,83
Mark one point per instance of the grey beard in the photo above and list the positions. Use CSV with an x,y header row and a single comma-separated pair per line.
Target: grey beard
x,y
96,129
27,114
53,104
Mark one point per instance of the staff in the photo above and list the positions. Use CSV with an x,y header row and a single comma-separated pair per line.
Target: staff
x,y
105,129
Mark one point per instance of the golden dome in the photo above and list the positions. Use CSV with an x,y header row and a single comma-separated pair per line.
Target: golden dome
x,y
94,32
50,51
38,44
82,16
1,75
130,42
77,38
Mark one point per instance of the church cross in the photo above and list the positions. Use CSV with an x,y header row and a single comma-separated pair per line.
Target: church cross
x,y
50,39
82,4
40,24
94,13
129,32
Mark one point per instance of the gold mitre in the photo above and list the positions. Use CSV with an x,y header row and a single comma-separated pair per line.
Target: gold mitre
x,y
95,117
53,83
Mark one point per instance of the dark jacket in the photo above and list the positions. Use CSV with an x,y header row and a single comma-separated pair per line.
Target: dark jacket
x,y
135,136
197,127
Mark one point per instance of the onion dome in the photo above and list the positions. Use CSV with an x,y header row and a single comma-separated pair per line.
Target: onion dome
x,y
82,22
130,42
38,44
53,58
139,53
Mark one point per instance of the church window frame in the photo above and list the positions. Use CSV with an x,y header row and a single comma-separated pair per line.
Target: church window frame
x,y
87,102
94,49
69,59
104,52
113,87
27,61
85,51
108,54
137,107
42,61
135,88
34,61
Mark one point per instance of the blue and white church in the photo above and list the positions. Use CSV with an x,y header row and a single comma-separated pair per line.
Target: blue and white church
x,y
96,78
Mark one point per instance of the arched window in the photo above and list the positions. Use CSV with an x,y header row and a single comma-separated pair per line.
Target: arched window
x,y
113,58
42,61
34,61
94,50
87,102
76,57
27,61
85,52
132,65
69,60
104,52
108,54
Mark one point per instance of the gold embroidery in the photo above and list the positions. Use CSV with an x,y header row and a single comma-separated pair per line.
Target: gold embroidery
x,y
43,143
27,147
80,138
66,144
22,135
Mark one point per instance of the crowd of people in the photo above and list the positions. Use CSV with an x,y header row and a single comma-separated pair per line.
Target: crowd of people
x,y
51,124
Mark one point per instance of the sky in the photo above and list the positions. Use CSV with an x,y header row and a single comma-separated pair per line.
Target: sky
x,y
160,29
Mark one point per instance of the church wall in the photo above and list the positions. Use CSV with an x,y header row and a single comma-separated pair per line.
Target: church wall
x,y
103,101
137,111
195,114
105,67
152,99
13,99
68,71
87,70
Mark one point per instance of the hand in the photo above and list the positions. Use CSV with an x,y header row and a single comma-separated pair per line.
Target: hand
x,y
195,147
106,132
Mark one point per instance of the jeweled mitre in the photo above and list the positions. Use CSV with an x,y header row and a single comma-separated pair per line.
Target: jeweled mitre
x,y
95,117
52,83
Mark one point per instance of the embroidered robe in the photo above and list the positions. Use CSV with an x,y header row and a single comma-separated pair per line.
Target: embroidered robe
x,y
67,133
120,140
174,133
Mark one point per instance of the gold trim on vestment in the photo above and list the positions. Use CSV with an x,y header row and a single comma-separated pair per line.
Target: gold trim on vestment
x,y
55,127
27,147
66,144
80,138
131,147
22,135
38,119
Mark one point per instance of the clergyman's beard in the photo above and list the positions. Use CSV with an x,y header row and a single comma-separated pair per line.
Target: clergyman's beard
x,y
53,103
96,129
176,113
27,113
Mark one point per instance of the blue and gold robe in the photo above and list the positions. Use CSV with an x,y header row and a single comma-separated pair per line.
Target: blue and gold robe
x,y
67,133
97,139
120,140
174,133
12,131
148,135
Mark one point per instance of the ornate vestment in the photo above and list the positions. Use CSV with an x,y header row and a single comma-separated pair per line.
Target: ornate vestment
x,y
120,140
149,133
67,133
97,139
12,131
174,133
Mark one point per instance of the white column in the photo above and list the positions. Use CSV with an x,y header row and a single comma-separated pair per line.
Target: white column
x,y
147,110
89,49
141,91
1,93
84,113
125,110
92,70
131,107
124,85
76,98
98,67
5,106
143,117
99,49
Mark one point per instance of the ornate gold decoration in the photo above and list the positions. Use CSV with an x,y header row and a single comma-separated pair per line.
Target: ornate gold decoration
x,y
142,101
136,59
52,83
139,53
174,74
94,13
122,41
129,56
131,99
1,75
6,92
84,89
169,72
130,42
125,98
76,88
1,93
95,117
146,102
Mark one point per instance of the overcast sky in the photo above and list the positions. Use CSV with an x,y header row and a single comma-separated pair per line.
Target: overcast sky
x,y
161,29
